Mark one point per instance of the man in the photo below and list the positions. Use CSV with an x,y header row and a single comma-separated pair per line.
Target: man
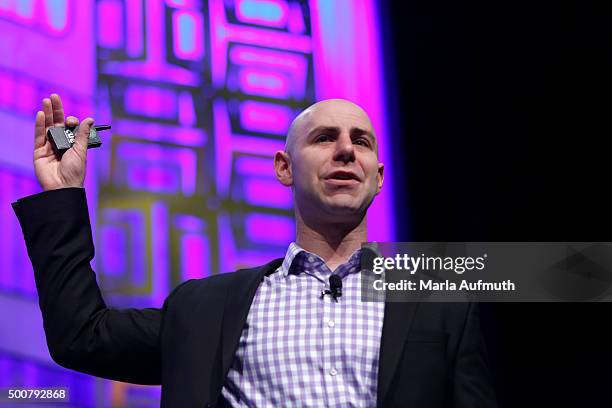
x,y
263,336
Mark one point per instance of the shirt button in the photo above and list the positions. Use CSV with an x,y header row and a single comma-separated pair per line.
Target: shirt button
x,y
333,372
311,258
331,323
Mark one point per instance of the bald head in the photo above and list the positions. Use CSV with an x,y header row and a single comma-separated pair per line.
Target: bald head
x,y
328,113
331,163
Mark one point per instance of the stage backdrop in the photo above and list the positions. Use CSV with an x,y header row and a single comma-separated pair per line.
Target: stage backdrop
x,y
199,95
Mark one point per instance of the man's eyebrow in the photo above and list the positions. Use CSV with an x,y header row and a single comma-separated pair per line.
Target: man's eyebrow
x,y
330,129
355,131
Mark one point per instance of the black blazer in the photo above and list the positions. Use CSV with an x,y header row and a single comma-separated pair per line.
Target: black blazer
x,y
432,354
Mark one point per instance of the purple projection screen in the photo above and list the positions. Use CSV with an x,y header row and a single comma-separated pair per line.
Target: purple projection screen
x,y
200,94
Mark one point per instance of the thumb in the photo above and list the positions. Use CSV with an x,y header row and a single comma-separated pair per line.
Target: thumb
x,y
80,142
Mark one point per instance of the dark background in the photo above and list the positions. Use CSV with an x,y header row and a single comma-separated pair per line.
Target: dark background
x,y
501,116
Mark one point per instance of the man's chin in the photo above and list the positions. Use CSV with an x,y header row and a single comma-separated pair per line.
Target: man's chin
x,y
345,206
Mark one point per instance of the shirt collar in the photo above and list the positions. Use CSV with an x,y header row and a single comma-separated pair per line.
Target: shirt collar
x,y
294,250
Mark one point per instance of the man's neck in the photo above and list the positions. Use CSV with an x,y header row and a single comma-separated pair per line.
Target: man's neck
x,y
334,243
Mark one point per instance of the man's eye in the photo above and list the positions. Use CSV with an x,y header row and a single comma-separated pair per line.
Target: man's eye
x,y
323,138
362,142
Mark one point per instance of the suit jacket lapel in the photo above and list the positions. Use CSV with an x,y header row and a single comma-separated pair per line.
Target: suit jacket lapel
x,y
396,325
237,305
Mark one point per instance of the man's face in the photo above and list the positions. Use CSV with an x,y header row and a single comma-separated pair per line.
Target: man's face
x,y
334,161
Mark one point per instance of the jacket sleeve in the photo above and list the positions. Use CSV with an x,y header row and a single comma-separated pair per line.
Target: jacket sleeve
x,y
82,333
472,380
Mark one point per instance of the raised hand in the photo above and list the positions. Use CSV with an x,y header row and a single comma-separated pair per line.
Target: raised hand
x,y
52,171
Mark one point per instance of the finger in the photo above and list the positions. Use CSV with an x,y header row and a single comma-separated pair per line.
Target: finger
x,y
72,121
39,131
48,112
58,110
82,135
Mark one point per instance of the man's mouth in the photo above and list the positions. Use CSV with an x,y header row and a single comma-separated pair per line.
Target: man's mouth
x,y
342,175
342,178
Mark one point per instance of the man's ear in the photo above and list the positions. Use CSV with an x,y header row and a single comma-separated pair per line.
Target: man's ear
x,y
380,177
282,168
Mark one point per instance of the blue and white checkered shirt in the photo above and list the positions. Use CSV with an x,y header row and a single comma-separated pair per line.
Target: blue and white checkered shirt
x,y
298,349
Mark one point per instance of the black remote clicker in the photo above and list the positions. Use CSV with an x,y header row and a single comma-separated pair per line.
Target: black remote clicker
x,y
62,138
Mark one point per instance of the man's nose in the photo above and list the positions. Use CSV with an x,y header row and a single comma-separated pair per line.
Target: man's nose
x,y
345,151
